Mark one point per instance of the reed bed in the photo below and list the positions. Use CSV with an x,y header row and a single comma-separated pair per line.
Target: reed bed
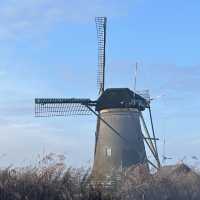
x,y
50,179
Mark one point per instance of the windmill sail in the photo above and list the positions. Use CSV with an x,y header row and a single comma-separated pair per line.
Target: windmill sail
x,y
101,35
62,107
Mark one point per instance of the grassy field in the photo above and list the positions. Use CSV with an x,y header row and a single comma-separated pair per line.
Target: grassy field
x,y
50,179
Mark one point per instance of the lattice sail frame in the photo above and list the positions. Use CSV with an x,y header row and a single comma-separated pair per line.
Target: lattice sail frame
x,y
62,107
101,35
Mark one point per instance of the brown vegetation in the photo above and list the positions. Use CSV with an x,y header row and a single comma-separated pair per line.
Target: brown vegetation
x,y
51,180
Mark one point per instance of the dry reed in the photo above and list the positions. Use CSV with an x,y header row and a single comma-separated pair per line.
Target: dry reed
x,y
50,179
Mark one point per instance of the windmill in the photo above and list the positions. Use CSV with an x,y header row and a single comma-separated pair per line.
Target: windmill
x,y
119,139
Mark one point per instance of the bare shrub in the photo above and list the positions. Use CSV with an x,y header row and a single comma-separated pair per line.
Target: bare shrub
x,y
169,183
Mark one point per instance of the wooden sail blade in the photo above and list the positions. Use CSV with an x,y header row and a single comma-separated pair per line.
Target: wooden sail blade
x,y
101,35
62,107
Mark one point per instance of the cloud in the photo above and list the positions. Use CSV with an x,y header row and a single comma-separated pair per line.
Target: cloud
x,y
36,16
183,78
2,73
17,109
23,139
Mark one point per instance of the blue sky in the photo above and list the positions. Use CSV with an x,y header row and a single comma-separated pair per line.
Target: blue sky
x,y
49,49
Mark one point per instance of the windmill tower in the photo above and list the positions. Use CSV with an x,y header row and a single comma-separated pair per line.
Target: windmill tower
x,y
119,139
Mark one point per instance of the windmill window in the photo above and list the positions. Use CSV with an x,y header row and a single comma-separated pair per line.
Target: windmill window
x,y
108,152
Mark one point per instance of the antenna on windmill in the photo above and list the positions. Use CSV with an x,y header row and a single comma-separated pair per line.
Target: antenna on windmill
x,y
164,153
164,157
135,76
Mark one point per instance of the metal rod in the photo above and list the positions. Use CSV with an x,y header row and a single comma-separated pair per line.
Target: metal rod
x,y
152,127
107,124
153,131
151,145
146,130
150,148
150,138
152,164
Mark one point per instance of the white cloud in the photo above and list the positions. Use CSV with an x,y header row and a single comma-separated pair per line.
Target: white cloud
x,y
26,17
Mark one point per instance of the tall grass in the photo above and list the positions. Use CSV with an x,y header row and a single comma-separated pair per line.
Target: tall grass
x,y
50,179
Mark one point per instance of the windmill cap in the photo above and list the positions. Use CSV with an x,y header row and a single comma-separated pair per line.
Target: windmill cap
x,y
120,98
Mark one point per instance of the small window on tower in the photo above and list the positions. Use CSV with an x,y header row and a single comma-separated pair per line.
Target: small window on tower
x,y
108,152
